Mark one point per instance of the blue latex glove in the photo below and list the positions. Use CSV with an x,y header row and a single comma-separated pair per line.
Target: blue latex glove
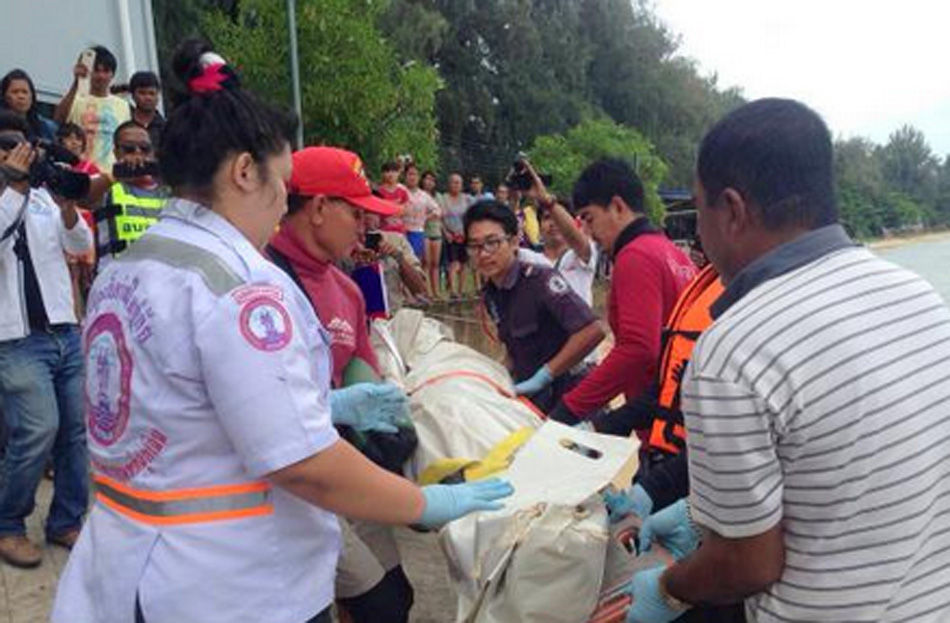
x,y
671,528
635,500
369,407
648,603
538,381
445,503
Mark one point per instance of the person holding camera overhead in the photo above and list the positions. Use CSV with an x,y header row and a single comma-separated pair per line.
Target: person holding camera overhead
x,y
40,354
134,200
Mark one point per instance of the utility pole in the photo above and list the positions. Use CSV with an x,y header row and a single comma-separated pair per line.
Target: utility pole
x,y
295,68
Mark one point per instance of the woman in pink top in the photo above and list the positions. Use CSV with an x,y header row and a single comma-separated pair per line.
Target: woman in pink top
x,y
416,211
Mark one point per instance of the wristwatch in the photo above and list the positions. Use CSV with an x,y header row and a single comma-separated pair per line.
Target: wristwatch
x,y
671,602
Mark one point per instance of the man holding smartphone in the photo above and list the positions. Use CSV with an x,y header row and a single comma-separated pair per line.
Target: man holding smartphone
x,y
135,199
98,113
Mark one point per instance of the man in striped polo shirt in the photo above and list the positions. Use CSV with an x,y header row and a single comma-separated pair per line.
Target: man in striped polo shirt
x,y
817,406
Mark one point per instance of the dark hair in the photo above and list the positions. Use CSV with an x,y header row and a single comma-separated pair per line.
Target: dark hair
x,y
125,125
206,128
429,173
143,80
34,125
390,166
12,122
491,210
605,179
71,129
104,58
777,153
412,165
296,202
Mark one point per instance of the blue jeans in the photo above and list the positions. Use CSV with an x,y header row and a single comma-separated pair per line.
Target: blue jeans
x,y
41,387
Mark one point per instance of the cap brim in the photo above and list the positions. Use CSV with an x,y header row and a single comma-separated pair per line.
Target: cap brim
x,y
372,203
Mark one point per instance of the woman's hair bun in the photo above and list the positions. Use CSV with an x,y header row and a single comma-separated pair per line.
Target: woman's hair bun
x,y
201,70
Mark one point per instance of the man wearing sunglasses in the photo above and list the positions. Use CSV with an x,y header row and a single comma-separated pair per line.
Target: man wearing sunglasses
x,y
135,199
547,328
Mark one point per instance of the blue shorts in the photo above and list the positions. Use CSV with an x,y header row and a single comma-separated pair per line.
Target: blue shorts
x,y
417,240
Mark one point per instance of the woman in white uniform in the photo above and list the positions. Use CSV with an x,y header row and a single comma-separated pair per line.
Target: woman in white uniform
x,y
217,469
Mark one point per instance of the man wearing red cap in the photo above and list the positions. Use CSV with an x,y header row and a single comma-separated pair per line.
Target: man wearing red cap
x,y
328,196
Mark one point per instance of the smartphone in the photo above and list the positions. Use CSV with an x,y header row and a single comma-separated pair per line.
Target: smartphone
x,y
373,238
87,58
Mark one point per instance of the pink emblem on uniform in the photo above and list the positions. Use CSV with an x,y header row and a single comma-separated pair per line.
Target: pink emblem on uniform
x,y
108,379
265,324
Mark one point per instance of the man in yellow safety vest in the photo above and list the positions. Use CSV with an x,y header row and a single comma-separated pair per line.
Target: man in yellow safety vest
x,y
135,199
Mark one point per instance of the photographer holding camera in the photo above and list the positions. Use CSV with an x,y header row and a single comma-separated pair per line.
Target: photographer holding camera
x,y
41,385
135,199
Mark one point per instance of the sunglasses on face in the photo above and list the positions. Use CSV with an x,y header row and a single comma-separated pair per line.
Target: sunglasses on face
x,y
127,149
489,246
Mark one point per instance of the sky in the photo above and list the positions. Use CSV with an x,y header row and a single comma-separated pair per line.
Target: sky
x,y
868,67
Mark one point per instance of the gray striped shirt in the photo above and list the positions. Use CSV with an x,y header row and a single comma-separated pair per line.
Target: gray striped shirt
x,y
821,399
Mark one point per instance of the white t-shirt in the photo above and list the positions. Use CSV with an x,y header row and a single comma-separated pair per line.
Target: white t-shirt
x,y
577,273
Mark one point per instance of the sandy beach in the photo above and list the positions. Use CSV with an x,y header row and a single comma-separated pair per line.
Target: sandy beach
x,y
900,241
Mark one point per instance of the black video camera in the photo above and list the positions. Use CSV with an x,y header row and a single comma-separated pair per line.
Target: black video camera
x,y
52,168
519,178
125,171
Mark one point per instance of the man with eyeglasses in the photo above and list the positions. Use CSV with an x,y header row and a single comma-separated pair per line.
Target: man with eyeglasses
x,y
547,328
135,199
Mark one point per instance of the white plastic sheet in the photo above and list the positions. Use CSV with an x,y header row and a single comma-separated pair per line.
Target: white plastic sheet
x,y
461,401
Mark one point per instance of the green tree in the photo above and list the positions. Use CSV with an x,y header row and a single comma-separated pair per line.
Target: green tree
x,y
564,156
355,93
909,166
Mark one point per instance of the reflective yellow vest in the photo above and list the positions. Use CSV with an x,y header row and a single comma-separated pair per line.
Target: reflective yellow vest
x,y
124,219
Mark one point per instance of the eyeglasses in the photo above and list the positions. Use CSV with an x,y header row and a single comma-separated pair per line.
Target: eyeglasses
x,y
489,246
128,149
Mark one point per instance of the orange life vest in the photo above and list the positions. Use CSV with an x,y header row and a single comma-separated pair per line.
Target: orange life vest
x,y
689,318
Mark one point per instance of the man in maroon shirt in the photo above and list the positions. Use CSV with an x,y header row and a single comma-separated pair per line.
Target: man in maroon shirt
x,y
327,198
649,273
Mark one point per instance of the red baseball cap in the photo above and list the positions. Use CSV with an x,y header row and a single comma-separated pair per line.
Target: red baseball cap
x,y
335,172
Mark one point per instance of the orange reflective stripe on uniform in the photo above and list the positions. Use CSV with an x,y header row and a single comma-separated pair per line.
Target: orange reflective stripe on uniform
x,y
183,506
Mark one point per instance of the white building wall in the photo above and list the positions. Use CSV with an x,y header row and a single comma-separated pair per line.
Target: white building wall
x,y
45,37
